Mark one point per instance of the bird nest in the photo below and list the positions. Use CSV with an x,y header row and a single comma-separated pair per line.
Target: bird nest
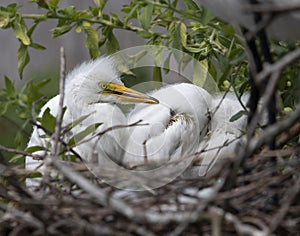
x,y
262,198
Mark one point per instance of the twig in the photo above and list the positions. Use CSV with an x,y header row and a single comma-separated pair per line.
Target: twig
x,y
290,196
240,227
270,89
16,151
57,131
108,130
24,216
278,65
59,117
272,8
273,131
92,189
197,213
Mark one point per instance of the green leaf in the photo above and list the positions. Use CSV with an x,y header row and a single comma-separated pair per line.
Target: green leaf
x,y
18,140
53,4
7,14
36,174
91,41
97,2
16,158
20,30
145,16
33,149
4,107
23,58
9,87
100,3
132,13
81,135
68,11
237,116
48,121
4,20
167,63
157,76
112,44
75,123
37,46
191,4
179,35
144,34
193,49
60,30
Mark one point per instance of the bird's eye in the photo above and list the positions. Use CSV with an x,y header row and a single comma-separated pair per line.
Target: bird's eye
x,y
103,86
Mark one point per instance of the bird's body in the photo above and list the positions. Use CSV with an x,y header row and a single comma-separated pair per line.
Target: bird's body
x,y
283,26
92,91
224,135
176,125
176,128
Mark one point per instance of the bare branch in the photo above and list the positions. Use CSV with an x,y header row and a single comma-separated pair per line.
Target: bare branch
x,y
289,197
59,117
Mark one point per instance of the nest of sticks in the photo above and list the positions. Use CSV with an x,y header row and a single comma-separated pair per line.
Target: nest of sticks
x,y
262,198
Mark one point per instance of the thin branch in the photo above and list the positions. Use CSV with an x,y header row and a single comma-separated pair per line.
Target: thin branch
x,y
289,197
240,227
94,20
272,8
99,134
59,117
16,151
278,65
99,194
273,131
269,91
24,216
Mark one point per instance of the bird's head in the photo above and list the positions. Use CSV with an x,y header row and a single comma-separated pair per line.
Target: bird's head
x,y
99,81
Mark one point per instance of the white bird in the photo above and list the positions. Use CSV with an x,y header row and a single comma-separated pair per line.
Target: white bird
x,y
224,135
283,25
93,89
176,126
176,129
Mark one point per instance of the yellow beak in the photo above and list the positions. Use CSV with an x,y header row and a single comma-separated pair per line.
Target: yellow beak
x,y
126,94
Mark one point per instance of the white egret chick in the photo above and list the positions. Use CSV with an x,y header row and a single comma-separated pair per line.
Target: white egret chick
x,y
283,25
224,135
176,125
93,89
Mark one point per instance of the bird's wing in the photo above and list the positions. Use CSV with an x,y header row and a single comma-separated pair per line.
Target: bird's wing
x,y
106,140
173,128
37,140
224,135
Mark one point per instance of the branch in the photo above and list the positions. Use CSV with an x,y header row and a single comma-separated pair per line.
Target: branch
x,y
272,8
289,197
278,66
94,20
59,117
24,216
99,194
273,131
16,151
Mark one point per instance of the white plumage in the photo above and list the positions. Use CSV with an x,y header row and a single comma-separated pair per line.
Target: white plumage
x,y
179,126
176,125
92,89
224,135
